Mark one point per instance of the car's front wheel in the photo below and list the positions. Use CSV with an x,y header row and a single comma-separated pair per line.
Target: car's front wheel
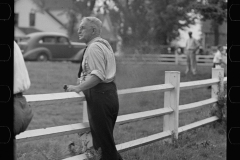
x,y
42,57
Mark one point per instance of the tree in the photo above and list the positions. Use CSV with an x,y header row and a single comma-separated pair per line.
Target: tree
x,y
214,10
168,16
155,21
80,8
131,17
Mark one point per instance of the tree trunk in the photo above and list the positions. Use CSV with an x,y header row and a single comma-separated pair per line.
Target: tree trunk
x,y
215,26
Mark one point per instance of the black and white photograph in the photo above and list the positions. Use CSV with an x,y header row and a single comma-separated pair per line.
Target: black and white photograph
x,y
120,79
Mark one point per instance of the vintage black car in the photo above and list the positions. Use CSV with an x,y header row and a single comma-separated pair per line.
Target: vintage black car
x,y
43,46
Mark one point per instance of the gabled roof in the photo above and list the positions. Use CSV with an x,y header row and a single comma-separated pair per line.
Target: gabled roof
x,y
47,34
57,4
108,31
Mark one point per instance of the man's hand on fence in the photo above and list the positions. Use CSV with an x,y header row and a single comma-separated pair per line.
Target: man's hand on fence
x,y
72,88
78,81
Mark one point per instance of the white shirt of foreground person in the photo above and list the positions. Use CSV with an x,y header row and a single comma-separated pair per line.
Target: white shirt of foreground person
x,y
99,60
217,57
21,77
192,43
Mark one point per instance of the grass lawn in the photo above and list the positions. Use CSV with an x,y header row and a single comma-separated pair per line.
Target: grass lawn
x,y
49,77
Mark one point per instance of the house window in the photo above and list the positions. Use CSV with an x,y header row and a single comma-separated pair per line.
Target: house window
x,y
16,19
32,19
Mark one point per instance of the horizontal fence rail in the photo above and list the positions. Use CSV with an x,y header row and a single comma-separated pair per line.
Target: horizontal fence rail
x,y
195,105
83,127
198,84
171,87
206,60
66,95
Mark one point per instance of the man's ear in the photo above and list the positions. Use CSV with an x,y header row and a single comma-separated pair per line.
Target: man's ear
x,y
94,31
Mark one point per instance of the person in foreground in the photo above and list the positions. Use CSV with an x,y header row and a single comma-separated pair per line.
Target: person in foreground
x,y
96,80
22,110
192,46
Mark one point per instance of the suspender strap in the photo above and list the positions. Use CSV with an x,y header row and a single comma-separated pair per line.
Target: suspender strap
x,y
80,68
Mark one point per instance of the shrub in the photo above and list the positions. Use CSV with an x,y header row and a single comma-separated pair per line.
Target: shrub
x,y
219,109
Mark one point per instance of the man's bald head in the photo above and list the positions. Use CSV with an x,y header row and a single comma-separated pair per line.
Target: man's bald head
x,y
94,22
89,28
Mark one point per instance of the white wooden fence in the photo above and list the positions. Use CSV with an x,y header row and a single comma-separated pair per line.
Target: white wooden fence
x,y
170,111
205,60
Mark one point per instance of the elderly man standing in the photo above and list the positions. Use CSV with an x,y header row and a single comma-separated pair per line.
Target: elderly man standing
x,y
192,46
96,80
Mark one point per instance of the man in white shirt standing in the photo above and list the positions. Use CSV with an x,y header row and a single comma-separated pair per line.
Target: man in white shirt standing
x,y
22,110
217,60
192,46
96,80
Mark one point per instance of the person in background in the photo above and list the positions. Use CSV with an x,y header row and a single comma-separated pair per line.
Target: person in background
x,y
96,80
191,48
218,57
22,110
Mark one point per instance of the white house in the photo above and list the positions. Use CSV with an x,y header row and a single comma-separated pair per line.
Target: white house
x,y
29,16
50,17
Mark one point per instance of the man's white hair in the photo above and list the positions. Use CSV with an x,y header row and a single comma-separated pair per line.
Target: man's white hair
x,y
94,22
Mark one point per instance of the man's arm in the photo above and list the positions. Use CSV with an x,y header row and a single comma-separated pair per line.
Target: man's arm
x,y
197,44
97,66
92,81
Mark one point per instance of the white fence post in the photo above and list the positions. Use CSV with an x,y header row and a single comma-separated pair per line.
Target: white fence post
x,y
217,73
86,138
171,99
85,113
176,57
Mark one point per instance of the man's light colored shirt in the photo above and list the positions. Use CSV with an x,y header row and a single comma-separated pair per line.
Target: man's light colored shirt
x,y
192,44
21,77
217,57
99,60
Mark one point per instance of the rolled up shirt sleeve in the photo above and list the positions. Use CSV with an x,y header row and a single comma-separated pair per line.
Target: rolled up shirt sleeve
x,y
96,62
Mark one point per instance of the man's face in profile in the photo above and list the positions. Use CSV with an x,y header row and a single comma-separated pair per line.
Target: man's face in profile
x,y
85,32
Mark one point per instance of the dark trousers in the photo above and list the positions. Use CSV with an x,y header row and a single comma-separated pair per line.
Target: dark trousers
x,y
22,117
22,114
103,106
191,61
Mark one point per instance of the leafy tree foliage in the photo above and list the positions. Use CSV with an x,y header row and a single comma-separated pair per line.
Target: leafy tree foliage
x,y
154,21
168,16
214,10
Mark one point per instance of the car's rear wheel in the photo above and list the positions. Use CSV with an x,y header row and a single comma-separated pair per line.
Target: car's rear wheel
x,y
42,57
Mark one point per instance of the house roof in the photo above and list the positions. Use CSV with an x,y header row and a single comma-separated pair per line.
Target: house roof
x,y
108,31
57,4
27,30
47,34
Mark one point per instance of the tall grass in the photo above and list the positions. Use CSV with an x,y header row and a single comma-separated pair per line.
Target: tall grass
x,y
49,77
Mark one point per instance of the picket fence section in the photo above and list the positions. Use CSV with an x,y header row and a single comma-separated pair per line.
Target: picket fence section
x,y
202,60
170,111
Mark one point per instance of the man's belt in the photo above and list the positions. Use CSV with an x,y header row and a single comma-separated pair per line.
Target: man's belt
x,y
18,94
